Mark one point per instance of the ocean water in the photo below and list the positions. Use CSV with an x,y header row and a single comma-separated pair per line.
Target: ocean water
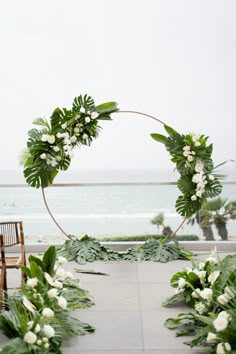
x,y
102,210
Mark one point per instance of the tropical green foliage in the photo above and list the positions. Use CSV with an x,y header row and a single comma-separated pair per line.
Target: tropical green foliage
x,y
38,318
192,157
138,238
215,212
159,220
49,149
88,249
209,289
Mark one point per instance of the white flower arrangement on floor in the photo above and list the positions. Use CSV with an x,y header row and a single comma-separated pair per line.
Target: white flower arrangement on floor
x,y
38,318
209,288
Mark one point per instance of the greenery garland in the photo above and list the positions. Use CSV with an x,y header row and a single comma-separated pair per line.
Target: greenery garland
x,y
50,150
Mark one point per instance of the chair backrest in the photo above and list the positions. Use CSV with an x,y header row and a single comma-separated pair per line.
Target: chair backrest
x,y
3,261
12,232
3,278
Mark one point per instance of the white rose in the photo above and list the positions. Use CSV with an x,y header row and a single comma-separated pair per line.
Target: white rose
x,y
46,345
199,194
43,156
223,348
59,135
56,148
200,308
213,276
51,139
94,115
197,143
190,158
206,294
32,282
64,125
69,275
87,119
193,198
82,110
60,273
211,338
221,322
211,177
85,136
196,178
48,331
181,283
53,162
199,166
73,139
30,337
76,130
47,312
62,303
61,260
39,342
196,293
52,293
44,137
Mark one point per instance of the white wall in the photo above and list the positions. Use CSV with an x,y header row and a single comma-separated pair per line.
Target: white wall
x,y
175,58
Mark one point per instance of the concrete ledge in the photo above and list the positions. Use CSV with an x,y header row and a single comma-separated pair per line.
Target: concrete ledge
x,y
228,246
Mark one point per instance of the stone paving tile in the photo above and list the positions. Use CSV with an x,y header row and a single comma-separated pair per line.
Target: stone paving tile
x,y
114,331
156,336
189,351
114,297
153,294
122,272
154,272
74,351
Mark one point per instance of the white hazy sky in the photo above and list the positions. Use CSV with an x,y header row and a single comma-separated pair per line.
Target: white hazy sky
x,y
174,59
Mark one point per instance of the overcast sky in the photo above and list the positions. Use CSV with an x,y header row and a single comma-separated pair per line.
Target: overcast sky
x,y
173,59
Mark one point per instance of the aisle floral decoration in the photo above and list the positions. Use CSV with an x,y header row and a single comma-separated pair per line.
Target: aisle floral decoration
x,y
209,288
38,319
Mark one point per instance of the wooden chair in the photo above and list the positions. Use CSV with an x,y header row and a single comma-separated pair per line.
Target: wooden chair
x,y
3,276
13,234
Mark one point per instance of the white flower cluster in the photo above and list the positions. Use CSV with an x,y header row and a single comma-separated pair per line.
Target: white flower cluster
x,y
69,137
221,322
223,348
205,294
40,335
199,178
229,293
188,153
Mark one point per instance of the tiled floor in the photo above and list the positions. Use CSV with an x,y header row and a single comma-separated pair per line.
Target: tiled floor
x,y
128,315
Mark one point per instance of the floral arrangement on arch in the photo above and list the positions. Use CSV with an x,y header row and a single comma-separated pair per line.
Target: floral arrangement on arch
x,y
50,150
209,288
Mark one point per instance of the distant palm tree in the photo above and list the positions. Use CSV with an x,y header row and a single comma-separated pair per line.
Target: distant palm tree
x,y
158,220
215,212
